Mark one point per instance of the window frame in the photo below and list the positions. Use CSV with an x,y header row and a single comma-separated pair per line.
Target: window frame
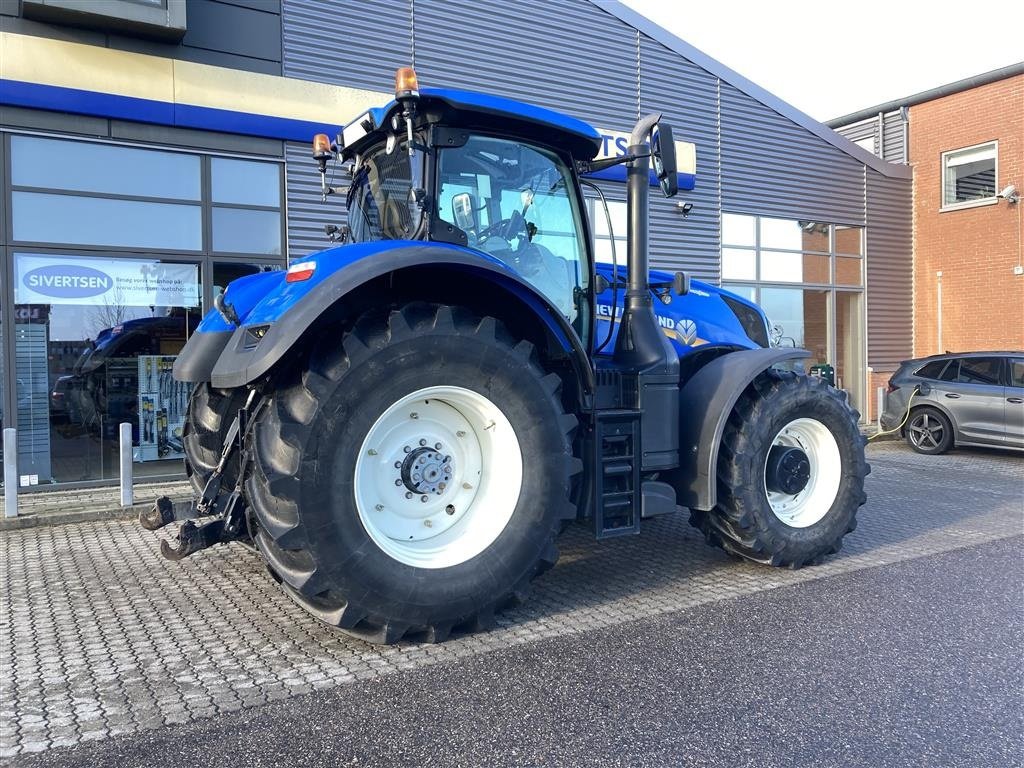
x,y
943,206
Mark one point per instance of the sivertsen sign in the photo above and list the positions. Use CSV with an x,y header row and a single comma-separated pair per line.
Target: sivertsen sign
x,y
91,281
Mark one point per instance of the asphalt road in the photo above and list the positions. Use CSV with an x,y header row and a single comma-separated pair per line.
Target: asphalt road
x,y
911,664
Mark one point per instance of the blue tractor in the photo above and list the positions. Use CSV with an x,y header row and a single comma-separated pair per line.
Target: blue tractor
x,y
403,424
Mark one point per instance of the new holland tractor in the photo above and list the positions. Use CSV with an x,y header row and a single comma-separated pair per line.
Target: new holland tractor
x,y
403,424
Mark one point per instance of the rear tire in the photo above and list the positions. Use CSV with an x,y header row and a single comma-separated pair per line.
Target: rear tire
x,y
772,526
928,431
209,416
337,519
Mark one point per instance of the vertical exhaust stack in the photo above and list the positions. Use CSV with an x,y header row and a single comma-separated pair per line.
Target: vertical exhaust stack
x,y
641,346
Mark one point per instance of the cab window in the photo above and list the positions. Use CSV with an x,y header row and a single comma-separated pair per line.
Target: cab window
x,y
517,203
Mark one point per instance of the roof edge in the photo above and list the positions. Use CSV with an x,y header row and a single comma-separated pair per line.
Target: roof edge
x,y
640,22
1010,70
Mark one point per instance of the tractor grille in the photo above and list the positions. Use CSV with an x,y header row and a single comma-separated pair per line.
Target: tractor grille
x,y
751,320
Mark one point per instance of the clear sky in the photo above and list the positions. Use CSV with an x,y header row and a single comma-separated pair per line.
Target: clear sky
x,y
829,59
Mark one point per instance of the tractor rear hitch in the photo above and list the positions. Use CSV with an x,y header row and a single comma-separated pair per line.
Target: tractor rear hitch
x,y
192,537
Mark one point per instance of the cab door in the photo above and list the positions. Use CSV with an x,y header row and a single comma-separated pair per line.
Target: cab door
x,y
1013,405
972,390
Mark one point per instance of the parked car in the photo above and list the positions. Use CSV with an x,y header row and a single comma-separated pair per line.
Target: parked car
x,y
969,398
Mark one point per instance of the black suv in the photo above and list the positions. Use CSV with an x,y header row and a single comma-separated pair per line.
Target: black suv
x,y
971,398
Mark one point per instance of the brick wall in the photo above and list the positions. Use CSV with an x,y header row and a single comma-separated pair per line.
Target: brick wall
x,y
974,248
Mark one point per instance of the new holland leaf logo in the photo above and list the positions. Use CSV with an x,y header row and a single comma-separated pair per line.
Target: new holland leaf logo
x,y
686,331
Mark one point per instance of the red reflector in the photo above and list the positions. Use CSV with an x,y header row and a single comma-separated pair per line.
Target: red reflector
x,y
299,272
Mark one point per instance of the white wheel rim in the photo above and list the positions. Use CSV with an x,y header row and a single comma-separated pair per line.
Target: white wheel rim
x,y
414,510
812,503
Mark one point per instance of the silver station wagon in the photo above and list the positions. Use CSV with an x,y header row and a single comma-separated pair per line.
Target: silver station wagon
x,y
970,398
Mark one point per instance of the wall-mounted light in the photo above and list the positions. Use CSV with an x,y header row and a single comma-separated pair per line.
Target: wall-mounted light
x,y
684,208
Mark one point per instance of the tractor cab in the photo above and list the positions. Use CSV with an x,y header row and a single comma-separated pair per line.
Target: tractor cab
x,y
475,171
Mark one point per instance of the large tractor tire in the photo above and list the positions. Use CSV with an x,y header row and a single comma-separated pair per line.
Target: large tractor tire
x,y
207,420
791,472
411,475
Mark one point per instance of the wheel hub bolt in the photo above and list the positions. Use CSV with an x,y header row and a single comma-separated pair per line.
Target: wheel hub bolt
x,y
437,446
398,465
398,481
406,449
408,494
422,442
450,509
424,498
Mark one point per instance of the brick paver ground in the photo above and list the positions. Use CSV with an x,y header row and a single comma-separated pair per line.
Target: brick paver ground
x,y
100,636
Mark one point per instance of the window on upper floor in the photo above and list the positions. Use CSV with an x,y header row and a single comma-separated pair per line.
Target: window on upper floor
x,y
969,175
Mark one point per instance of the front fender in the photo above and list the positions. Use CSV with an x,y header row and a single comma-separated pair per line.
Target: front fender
x,y
705,403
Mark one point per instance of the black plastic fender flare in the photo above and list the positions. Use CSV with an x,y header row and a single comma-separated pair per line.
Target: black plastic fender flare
x,y
236,360
705,403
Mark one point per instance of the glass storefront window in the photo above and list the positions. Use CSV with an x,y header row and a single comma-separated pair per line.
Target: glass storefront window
x,y
808,276
739,230
72,220
246,230
849,360
849,271
94,343
109,241
245,182
739,264
799,318
112,169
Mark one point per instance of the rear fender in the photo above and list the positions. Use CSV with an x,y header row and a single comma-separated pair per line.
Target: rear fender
x,y
232,357
705,402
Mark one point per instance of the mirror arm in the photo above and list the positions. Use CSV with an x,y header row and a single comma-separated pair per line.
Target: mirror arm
x,y
593,166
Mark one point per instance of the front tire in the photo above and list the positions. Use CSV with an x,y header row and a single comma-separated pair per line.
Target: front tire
x,y
791,472
369,525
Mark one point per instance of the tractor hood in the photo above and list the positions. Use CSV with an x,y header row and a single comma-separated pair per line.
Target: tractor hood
x,y
706,316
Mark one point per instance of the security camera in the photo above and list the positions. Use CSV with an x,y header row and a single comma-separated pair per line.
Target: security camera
x,y
1009,193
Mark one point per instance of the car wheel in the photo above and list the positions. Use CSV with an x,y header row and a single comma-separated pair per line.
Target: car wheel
x,y
929,431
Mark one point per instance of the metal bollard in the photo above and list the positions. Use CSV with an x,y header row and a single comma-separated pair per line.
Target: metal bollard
x,y
10,472
125,430
880,406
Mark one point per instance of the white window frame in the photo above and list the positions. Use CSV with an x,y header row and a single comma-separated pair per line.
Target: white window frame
x,y
968,203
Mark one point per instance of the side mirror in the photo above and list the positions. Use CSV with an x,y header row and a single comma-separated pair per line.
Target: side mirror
x,y
663,159
601,284
681,283
464,212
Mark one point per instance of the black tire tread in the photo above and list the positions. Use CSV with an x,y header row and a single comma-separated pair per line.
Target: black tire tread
x,y
273,488
208,417
731,525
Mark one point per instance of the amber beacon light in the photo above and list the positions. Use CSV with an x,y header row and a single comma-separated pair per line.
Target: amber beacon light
x,y
406,85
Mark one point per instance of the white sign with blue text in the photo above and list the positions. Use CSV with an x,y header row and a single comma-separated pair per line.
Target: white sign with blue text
x,y
92,281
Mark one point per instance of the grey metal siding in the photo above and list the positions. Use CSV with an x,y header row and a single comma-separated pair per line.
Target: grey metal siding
x,y
331,42
688,97
563,54
773,167
227,33
893,146
862,130
307,215
889,271
893,141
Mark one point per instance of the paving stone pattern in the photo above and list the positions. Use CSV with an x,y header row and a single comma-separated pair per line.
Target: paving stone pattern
x,y
101,636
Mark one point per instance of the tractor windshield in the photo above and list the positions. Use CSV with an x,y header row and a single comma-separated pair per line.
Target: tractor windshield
x,y
518,203
382,204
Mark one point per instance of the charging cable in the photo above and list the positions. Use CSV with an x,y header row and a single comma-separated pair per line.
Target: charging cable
x,y
906,417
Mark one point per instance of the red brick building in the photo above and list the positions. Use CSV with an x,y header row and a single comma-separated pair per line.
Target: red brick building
x,y
965,143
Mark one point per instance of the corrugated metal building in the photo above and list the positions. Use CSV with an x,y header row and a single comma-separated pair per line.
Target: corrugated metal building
x,y
189,131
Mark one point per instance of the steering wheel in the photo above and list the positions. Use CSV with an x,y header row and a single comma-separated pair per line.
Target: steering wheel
x,y
506,229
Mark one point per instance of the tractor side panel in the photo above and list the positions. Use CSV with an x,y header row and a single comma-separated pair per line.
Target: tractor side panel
x,y
690,322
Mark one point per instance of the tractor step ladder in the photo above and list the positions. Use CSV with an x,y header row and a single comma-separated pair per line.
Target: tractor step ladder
x,y
617,495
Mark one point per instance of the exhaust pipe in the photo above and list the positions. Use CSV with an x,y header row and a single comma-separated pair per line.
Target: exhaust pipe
x,y
641,345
